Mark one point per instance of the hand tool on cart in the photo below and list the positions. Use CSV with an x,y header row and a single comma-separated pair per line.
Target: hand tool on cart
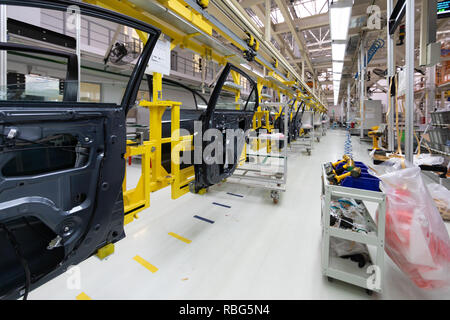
x,y
336,173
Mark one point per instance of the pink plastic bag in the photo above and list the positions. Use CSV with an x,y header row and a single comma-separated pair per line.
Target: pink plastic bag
x,y
416,237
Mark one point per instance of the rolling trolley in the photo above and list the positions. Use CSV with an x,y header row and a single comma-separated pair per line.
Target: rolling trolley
x,y
266,170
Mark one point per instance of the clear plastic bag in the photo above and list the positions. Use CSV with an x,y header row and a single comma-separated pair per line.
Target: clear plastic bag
x,y
348,208
343,247
441,197
428,159
416,237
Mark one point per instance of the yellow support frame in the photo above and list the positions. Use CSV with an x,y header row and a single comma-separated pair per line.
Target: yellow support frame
x,y
153,175
237,80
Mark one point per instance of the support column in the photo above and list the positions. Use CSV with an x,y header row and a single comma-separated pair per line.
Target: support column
x,y
348,103
362,76
430,103
78,48
267,25
390,75
3,53
303,70
409,59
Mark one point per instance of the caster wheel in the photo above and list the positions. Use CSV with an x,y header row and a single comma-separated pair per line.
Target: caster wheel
x,y
275,196
369,292
330,279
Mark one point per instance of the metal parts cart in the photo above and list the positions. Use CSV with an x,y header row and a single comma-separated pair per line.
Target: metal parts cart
x,y
268,170
325,124
318,127
345,270
305,142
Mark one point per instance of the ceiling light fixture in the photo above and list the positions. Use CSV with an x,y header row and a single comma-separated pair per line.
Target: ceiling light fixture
x,y
340,13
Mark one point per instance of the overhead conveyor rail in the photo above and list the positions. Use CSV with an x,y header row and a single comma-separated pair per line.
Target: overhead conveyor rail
x,y
191,27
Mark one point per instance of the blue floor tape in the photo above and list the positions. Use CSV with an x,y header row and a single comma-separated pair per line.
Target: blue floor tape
x,y
203,219
234,194
221,205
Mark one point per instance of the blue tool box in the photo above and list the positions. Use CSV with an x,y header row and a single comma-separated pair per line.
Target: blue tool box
x,y
366,181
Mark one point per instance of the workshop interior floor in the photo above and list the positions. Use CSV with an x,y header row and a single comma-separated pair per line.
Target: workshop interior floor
x,y
253,250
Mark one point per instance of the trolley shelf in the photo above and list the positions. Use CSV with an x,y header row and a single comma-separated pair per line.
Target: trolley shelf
x,y
344,269
269,169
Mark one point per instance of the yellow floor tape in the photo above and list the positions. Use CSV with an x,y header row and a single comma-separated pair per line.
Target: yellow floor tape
x,y
145,264
179,237
83,296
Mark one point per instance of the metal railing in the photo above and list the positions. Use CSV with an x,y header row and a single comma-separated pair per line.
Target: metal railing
x,y
92,33
190,67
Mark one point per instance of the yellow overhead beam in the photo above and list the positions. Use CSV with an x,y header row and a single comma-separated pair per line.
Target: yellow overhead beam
x,y
182,39
178,37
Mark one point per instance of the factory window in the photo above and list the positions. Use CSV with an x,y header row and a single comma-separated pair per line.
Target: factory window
x,y
90,92
143,95
277,16
307,8
31,87
254,17
109,54
235,96
197,63
174,61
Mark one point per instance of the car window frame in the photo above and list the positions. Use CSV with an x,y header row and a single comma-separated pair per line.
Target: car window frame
x,y
131,91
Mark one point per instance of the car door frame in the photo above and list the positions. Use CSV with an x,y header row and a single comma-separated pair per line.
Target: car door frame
x,y
114,116
203,171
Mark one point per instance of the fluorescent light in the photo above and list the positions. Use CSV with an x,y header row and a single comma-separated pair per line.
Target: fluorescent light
x,y
337,76
246,66
338,67
339,22
338,51
340,13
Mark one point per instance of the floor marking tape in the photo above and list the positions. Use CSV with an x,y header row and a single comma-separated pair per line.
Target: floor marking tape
x,y
234,194
203,219
83,296
221,205
145,264
179,237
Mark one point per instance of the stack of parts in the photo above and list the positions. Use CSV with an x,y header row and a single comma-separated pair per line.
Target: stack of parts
x,y
347,214
416,237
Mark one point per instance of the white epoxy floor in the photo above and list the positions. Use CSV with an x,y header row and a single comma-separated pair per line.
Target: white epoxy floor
x,y
254,250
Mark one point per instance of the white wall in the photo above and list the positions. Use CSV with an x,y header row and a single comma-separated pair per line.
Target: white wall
x,y
28,15
112,92
383,97
337,112
171,94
